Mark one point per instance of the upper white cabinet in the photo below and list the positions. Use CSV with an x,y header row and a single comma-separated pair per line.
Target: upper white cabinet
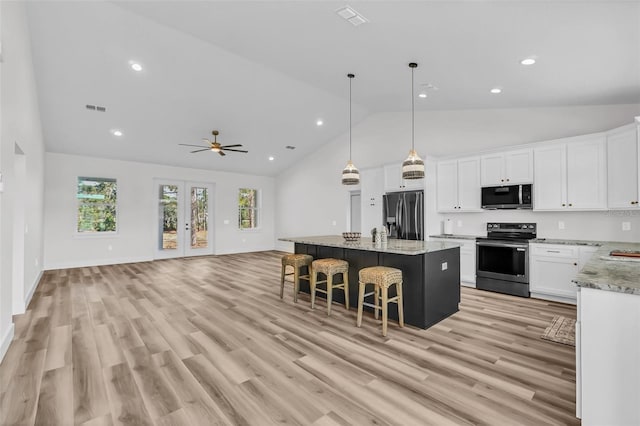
x,y
571,175
371,182
393,180
623,158
507,168
458,185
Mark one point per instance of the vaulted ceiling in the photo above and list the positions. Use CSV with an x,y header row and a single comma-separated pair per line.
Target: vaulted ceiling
x,y
262,73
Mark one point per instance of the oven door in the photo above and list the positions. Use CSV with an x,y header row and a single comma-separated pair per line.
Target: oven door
x,y
502,260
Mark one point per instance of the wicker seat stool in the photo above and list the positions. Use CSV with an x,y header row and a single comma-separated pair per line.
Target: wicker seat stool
x,y
381,277
329,267
296,261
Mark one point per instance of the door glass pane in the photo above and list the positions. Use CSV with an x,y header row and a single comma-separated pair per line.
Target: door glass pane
x,y
168,206
199,217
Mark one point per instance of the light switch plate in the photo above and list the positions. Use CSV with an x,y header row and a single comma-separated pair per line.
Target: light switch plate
x,y
626,226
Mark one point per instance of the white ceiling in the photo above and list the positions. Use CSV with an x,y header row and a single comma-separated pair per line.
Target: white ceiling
x,y
263,72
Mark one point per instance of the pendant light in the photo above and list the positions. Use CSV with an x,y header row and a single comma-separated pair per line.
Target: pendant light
x,y
413,166
350,174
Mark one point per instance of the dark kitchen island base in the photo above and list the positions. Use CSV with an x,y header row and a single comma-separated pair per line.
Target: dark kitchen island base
x,y
431,279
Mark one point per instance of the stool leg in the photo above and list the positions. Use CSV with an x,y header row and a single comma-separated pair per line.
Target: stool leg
x,y
345,277
284,268
296,283
400,304
329,292
312,284
385,307
361,287
376,300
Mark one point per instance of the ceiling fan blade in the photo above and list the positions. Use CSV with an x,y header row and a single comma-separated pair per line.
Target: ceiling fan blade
x,y
221,153
230,146
236,150
200,150
186,144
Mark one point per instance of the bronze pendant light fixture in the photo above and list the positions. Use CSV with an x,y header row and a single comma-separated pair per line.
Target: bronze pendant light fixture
x,y
413,166
350,174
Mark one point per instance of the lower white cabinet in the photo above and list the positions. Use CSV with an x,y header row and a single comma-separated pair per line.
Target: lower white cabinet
x,y
553,266
607,354
467,260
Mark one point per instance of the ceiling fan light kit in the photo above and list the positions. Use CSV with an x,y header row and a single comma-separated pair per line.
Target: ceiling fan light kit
x,y
215,146
413,166
350,174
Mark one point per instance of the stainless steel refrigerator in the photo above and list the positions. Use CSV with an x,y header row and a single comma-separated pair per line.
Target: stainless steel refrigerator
x,y
403,214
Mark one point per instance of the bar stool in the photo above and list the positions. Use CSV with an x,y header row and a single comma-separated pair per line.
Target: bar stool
x,y
296,261
382,277
329,267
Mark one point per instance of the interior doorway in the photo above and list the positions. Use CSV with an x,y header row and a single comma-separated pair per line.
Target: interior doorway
x,y
17,270
355,220
184,217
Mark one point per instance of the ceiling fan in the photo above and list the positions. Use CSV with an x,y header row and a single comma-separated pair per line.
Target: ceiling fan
x,y
215,146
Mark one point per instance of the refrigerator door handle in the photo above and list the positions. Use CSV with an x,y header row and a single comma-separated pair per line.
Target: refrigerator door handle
x,y
416,216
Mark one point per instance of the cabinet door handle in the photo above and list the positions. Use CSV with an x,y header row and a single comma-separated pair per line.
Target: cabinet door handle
x,y
575,264
507,180
570,205
563,204
501,180
553,251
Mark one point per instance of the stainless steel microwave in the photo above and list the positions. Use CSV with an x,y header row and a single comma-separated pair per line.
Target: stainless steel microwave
x,y
506,197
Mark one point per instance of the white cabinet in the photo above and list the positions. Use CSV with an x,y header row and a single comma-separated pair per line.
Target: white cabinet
x,y
393,180
467,260
623,183
553,266
507,168
458,185
607,354
571,175
371,184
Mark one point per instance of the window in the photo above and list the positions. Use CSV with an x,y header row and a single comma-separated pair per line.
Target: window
x,y
96,205
248,208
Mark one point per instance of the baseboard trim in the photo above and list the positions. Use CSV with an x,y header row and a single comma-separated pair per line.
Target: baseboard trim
x,y
6,341
98,262
34,286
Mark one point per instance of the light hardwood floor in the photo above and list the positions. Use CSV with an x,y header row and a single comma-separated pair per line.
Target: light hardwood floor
x,y
207,341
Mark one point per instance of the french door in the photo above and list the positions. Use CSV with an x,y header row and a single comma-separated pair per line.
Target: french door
x,y
184,214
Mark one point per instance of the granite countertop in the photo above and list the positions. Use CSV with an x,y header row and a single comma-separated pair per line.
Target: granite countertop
x,y
408,247
456,236
566,242
619,275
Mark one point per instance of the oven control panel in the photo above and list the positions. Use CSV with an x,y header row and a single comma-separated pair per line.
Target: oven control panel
x,y
510,227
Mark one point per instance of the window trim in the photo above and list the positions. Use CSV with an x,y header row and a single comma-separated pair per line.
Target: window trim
x,y
96,234
257,208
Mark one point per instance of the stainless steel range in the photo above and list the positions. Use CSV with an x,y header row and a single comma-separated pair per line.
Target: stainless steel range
x,y
502,258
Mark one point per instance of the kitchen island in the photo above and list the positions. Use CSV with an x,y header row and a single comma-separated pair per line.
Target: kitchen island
x,y
430,270
608,338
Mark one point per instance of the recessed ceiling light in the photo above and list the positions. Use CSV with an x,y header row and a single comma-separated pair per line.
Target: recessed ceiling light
x,y
117,132
319,123
135,66
271,158
422,95
496,90
528,61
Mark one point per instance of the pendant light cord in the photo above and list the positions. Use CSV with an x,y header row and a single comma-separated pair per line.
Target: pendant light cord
x,y
413,113
350,125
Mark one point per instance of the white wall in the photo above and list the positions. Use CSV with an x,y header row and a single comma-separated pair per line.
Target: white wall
x,y
137,202
309,196
20,125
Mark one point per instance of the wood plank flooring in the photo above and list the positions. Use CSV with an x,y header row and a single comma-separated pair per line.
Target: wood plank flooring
x,y
207,341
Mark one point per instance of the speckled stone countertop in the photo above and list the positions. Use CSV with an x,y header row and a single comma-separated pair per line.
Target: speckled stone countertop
x,y
455,236
408,247
567,242
619,275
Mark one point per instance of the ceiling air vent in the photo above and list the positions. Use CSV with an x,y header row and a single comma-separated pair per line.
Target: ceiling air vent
x,y
96,108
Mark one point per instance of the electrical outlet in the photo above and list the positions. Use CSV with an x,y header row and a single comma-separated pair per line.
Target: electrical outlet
x,y
626,226
226,221
560,224
37,262
444,266
459,224
110,247
334,223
